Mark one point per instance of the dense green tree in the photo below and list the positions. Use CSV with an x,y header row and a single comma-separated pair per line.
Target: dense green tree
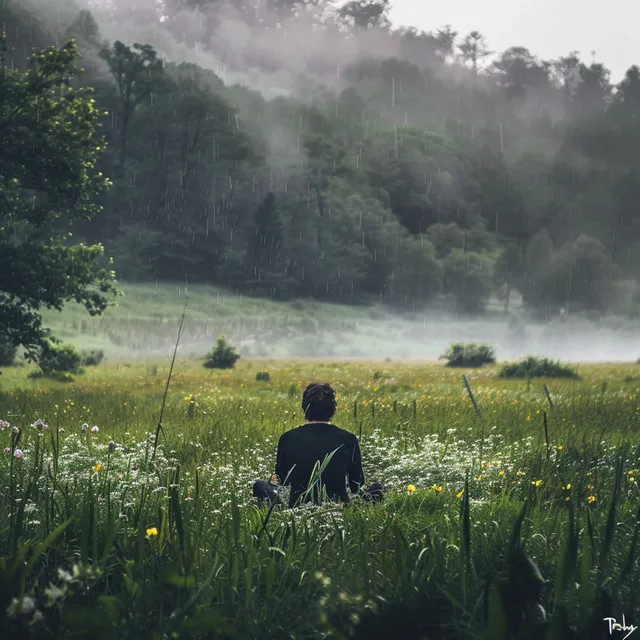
x,y
48,181
467,278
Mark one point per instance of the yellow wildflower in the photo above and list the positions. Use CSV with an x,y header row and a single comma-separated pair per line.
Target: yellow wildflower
x,y
479,478
536,483
559,447
632,479
519,473
591,499
589,486
567,499
152,531
437,488
501,473
97,467
410,488
459,495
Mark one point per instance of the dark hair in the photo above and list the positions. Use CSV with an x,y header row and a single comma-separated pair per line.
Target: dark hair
x,y
319,402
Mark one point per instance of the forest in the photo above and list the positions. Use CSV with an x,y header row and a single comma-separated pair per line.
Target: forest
x,y
299,149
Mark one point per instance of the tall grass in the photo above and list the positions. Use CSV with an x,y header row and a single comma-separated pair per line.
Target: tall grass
x,y
527,532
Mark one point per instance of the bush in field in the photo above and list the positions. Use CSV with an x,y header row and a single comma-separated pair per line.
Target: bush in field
x,y
92,357
468,355
7,353
222,356
537,368
263,376
58,361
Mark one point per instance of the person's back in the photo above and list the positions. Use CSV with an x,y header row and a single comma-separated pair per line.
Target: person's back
x,y
306,447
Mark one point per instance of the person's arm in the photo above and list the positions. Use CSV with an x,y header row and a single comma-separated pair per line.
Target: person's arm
x,y
356,474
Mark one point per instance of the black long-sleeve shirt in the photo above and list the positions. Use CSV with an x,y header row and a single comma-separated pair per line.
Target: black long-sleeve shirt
x,y
300,449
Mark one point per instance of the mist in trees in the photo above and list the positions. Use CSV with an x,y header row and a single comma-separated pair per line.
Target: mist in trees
x,y
267,149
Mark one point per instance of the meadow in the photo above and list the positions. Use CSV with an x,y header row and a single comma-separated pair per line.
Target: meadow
x,y
518,521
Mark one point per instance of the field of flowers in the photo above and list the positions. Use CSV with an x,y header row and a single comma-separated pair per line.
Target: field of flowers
x,y
519,520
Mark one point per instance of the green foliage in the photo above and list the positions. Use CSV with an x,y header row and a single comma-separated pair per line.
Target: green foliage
x,y
48,180
263,376
92,357
468,278
537,368
59,358
469,354
222,356
7,352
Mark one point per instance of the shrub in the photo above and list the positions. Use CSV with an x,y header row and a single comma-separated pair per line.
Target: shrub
x,y
222,356
7,352
92,357
537,368
59,358
263,376
468,354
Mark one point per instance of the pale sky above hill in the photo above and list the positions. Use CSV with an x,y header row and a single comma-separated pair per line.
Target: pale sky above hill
x,y
548,28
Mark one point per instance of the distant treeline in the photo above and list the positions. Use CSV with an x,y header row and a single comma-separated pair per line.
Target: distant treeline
x,y
430,178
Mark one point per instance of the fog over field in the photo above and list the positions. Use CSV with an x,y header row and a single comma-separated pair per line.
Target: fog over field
x,y
145,322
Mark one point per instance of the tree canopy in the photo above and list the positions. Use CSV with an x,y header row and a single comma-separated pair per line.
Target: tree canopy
x,y
48,182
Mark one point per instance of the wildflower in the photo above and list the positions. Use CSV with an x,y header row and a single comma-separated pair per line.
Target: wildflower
x,y
17,453
479,478
437,488
410,489
94,429
152,531
568,487
7,450
519,473
54,593
632,479
97,467
501,473
26,605
591,499
559,447
567,499
459,494
589,486
536,483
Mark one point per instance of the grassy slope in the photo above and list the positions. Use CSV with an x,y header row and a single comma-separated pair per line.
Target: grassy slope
x,y
144,322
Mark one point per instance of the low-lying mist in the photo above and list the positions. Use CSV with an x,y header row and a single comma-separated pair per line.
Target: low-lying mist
x,y
145,322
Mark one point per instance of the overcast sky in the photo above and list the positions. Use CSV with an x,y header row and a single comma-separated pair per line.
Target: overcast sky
x,y
548,28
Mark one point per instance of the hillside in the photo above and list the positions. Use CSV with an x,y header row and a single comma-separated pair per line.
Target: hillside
x,y
428,173
144,323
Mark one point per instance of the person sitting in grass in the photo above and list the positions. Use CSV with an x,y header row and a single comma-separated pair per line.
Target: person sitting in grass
x,y
318,446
